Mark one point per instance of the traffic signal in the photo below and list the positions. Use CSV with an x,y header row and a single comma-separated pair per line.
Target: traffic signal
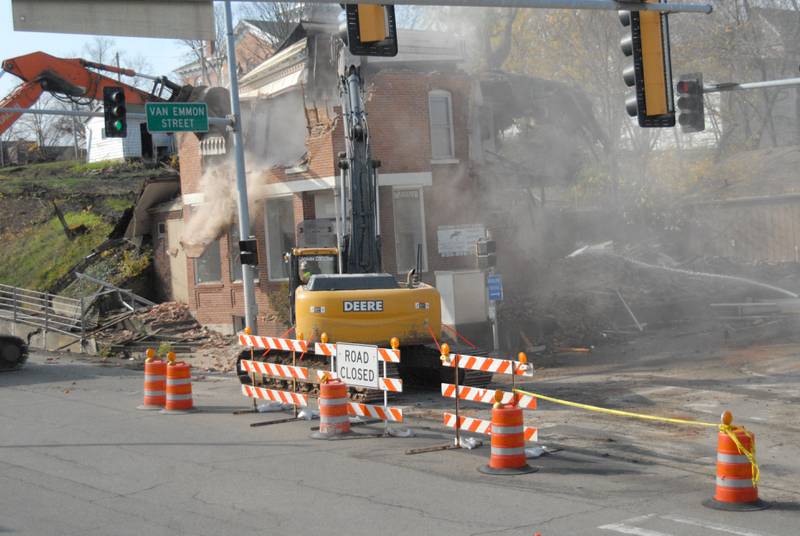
x,y
691,108
371,30
651,71
114,112
486,252
248,252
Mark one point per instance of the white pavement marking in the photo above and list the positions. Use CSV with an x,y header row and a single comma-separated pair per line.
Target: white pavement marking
x,y
712,526
627,529
625,526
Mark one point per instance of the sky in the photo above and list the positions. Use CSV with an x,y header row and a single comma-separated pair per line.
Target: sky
x,y
162,55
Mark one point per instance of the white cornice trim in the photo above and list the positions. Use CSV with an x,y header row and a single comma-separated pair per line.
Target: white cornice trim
x,y
421,178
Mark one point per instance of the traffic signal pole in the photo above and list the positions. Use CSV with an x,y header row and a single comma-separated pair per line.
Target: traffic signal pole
x,y
734,86
241,178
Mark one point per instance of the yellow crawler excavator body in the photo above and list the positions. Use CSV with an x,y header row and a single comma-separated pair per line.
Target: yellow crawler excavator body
x,y
370,316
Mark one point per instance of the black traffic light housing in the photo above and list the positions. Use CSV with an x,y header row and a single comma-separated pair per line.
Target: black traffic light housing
x,y
691,107
371,30
486,253
248,252
114,112
651,71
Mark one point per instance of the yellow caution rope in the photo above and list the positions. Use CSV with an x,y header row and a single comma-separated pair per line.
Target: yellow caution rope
x,y
750,454
728,429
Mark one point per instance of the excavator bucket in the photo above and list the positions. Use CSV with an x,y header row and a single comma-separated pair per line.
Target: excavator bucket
x,y
218,99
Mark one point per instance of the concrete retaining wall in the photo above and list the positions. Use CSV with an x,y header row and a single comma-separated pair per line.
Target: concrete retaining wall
x,y
51,341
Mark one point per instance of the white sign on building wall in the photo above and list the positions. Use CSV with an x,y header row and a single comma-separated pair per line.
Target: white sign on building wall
x,y
459,240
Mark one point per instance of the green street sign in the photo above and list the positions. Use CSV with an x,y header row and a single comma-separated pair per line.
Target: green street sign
x,y
176,116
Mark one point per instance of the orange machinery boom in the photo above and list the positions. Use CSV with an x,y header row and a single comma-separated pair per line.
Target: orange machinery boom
x,y
73,77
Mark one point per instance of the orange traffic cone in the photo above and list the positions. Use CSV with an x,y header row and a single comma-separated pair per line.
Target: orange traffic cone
x,y
333,418
737,472
508,443
155,382
179,387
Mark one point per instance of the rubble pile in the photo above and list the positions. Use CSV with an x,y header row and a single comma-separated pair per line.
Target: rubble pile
x,y
606,292
169,323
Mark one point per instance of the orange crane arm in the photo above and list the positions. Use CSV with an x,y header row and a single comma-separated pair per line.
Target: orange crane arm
x,y
72,77
23,96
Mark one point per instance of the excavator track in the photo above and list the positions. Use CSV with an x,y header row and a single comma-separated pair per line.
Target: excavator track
x,y
419,368
13,352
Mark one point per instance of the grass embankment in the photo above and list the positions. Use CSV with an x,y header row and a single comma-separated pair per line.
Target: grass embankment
x,y
40,255
34,250
109,177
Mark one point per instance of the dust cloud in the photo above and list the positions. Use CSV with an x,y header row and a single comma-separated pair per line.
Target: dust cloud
x,y
274,131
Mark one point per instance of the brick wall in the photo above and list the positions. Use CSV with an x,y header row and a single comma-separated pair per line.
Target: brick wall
x,y
191,162
397,104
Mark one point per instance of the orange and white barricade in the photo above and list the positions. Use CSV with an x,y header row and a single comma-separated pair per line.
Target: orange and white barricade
x,y
272,343
294,373
303,374
481,426
460,423
284,397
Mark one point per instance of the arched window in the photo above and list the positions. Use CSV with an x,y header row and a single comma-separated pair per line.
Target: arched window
x,y
440,115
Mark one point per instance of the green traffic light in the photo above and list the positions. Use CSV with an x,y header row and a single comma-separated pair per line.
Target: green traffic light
x,y
118,125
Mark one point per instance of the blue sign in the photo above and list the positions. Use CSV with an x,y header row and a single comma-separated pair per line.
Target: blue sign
x,y
495,284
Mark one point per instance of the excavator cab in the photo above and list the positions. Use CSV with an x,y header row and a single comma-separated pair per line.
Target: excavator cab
x,y
304,263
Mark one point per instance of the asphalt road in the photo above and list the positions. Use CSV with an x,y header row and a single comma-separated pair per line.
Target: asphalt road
x,y
77,458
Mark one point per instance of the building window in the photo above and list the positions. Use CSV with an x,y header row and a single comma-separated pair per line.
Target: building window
x,y
162,229
440,114
280,235
324,204
409,228
233,253
208,266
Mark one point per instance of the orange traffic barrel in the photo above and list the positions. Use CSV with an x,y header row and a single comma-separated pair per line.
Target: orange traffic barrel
x,y
333,418
155,385
736,488
508,443
179,388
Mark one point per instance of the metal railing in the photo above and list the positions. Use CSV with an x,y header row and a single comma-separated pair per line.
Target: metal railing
x,y
50,312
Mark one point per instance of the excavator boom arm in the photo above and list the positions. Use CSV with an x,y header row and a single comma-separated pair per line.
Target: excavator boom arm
x,y
72,77
23,96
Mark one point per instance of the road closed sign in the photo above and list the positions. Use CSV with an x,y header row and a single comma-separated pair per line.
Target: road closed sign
x,y
357,364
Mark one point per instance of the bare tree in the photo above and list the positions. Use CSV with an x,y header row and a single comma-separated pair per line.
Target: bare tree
x,y
281,16
45,130
100,49
210,55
